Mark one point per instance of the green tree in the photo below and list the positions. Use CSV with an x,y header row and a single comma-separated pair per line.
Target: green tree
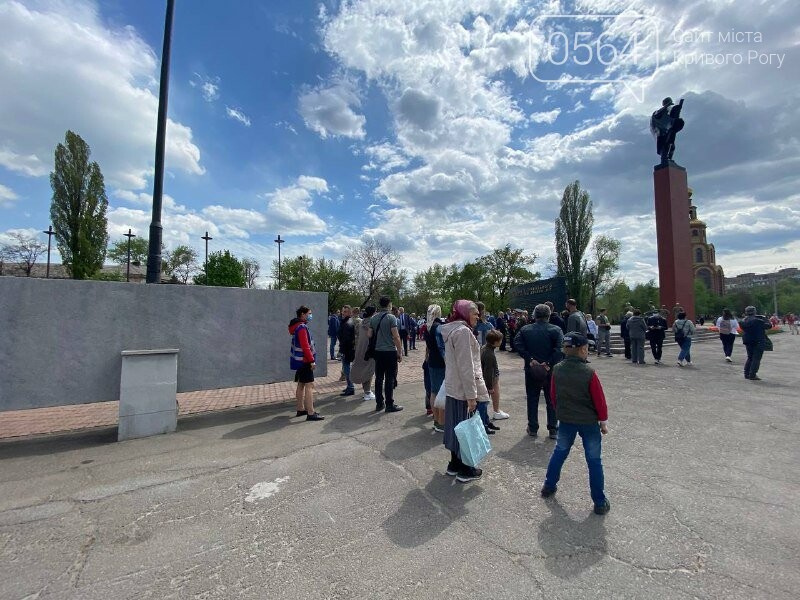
x,y
603,267
573,233
118,251
224,270
320,275
614,299
180,263
505,268
78,208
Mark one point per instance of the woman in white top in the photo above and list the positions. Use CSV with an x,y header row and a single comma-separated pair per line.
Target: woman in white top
x,y
728,327
591,326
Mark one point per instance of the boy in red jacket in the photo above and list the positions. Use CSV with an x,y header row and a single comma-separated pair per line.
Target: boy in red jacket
x,y
581,409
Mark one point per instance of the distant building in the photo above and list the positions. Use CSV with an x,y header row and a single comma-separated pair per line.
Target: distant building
x,y
750,280
704,260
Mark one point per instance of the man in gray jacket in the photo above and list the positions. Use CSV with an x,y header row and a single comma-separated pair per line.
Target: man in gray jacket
x,y
576,321
637,330
539,345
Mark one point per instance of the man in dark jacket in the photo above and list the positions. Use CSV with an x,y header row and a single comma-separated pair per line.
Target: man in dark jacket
x,y
333,332
754,336
555,319
347,346
576,321
623,332
656,327
539,345
503,329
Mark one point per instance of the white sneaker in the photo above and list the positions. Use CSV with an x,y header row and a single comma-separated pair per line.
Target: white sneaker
x,y
680,363
369,396
500,415
729,359
658,362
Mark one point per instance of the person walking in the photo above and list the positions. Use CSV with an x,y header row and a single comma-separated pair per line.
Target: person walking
x,y
403,327
347,347
333,332
582,410
727,326
539,345
637,331
388,353
657,328
623,332
463,382
362,370
603,334
436,363
754,328
683,329
303,360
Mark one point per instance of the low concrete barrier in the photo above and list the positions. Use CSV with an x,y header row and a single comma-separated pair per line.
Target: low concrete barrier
x,y
148,402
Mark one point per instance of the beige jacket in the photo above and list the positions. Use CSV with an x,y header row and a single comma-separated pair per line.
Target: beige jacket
x,y
463,376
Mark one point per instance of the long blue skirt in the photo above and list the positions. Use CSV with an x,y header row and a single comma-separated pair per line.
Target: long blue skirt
x,y
455,411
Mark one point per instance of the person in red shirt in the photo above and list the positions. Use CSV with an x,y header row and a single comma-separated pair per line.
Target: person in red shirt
x,y
581,409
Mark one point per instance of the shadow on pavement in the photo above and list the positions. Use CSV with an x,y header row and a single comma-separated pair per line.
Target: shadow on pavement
x,y
54,444
530,451
571,546
413,444
418,521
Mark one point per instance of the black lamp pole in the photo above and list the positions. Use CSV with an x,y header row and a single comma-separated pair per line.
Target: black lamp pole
x,y
154,245
279,241
206,237
50,233
129,235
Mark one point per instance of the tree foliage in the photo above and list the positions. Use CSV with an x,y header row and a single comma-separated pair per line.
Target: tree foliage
x,y
316,275
251,271
602,268
118,251
573,232
23,250
224,270
78,208
180,263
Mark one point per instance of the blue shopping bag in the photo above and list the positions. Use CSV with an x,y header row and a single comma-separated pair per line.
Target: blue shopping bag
x,y
473,440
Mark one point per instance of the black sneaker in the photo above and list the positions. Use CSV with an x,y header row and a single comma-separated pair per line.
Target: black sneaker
x,y
553,434
601,509
315,417
547,491
302,413
755,378
469,474
393,408
379,406
348,393
532,433
490,432
492,426
453,469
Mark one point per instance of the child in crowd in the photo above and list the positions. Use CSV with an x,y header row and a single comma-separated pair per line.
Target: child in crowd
x,y
491,375
581,409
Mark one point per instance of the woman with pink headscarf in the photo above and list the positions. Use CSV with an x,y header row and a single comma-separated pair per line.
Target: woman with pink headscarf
x,y
463,381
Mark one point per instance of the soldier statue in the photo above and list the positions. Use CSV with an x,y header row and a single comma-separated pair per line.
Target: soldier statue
x,y
665,123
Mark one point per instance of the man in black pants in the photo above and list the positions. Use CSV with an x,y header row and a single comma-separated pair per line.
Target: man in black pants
x,y
388,353
656,329
403,325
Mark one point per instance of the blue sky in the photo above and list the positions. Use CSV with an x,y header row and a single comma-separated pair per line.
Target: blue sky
x,y
427,124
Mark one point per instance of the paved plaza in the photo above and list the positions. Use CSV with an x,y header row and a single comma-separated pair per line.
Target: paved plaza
x,y
701,469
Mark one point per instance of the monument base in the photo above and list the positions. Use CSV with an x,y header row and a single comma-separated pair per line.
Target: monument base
x,y
675,274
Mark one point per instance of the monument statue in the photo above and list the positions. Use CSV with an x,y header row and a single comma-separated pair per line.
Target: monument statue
x,y
665,123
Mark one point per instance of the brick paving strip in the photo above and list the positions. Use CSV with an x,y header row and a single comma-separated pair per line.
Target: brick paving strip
x,y
38,421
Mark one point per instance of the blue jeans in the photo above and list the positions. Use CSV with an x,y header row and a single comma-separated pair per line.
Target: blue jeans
x,y
333,346
346,370
686,347
483,411
592,445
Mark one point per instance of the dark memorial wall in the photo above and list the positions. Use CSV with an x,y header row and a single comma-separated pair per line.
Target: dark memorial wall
x,y
528,295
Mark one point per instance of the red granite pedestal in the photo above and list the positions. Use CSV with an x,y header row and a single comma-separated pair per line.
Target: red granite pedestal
x,y
675,276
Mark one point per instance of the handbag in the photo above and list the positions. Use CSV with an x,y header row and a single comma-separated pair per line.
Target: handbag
x,y
369,353
441,398
472,440
768,347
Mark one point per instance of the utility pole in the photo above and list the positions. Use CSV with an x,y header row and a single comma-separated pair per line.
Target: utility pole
x,y
206,237
279,241
154,246
129,235
50,233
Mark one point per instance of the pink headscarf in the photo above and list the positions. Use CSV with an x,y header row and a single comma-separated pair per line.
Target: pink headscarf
x,y
461,310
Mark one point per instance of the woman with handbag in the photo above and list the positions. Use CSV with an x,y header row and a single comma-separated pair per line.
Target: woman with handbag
x,y
683,329
728,326
464,382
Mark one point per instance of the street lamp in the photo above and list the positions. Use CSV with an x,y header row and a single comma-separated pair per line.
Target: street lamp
x,y
129,235
775,288
154,246
279,241
206,237
50,233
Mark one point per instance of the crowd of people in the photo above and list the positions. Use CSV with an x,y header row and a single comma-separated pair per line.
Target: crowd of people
x,y
461,374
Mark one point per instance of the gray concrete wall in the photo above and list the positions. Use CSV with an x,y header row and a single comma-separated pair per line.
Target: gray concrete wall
x,y
60,340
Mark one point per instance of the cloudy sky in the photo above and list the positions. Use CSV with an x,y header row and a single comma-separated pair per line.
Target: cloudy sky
x,y
444,128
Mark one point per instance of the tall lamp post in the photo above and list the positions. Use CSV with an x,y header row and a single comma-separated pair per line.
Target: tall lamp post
x,y
279,241
206,237
129,235
50,233
154,245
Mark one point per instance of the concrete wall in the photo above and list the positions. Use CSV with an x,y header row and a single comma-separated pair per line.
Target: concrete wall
x,y
60,340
